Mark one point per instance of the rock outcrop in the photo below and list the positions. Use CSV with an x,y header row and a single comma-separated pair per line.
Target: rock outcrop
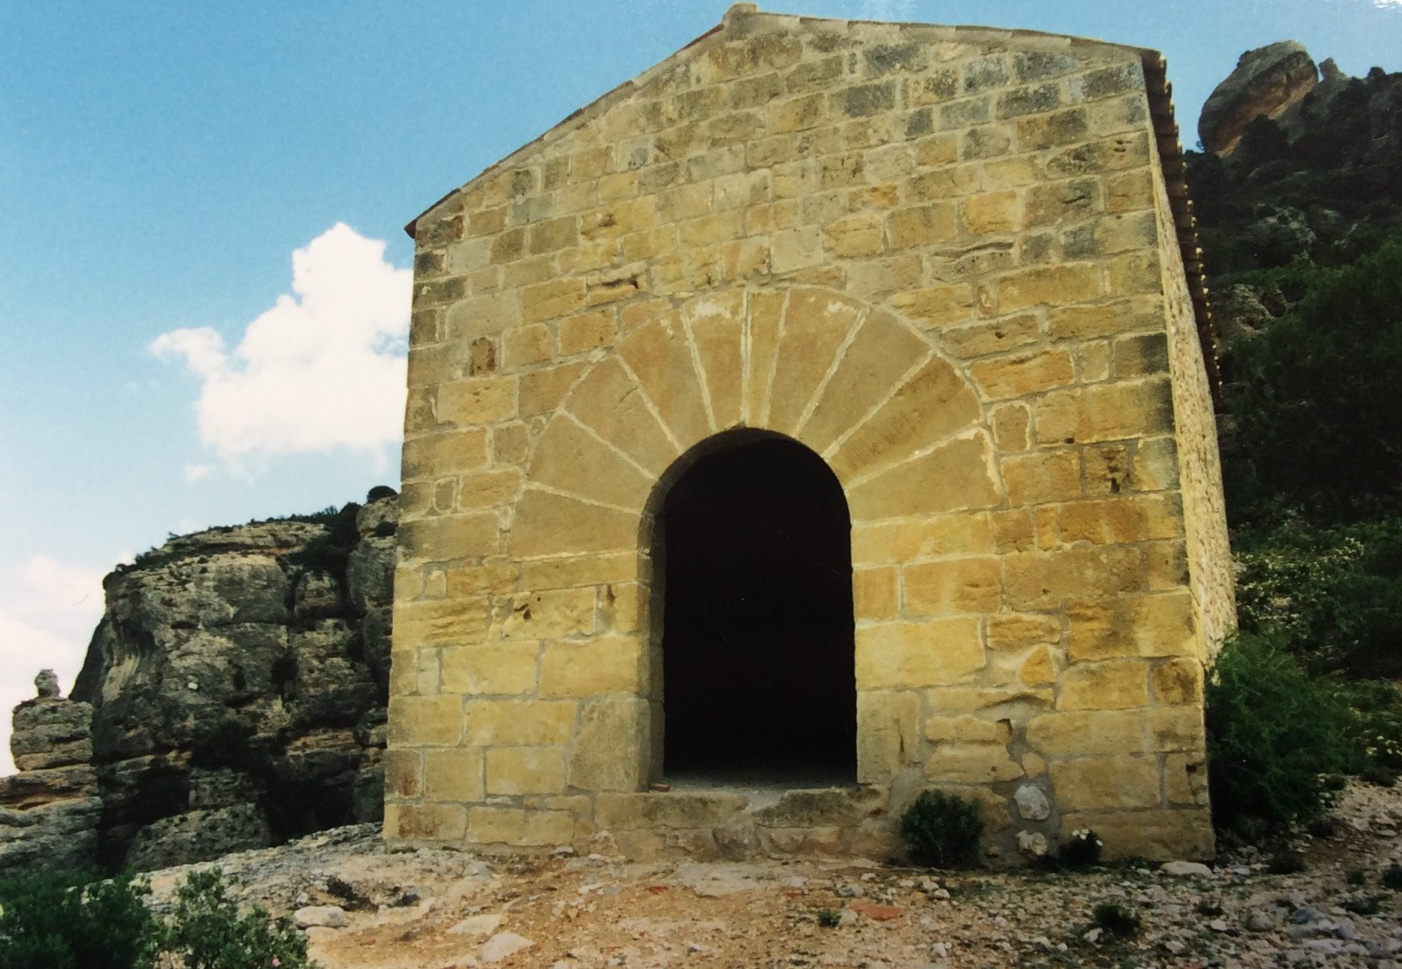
x,y
237,687
49,811
1267,81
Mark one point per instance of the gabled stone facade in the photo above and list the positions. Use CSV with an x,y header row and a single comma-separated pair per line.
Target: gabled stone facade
x,y
947,261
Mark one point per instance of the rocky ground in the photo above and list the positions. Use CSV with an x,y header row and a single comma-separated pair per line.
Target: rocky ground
x,y
368,907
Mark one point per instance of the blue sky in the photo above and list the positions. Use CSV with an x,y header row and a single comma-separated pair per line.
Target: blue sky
x,y
163,365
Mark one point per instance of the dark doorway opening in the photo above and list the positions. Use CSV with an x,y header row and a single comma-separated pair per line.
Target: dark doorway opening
x,y
757,643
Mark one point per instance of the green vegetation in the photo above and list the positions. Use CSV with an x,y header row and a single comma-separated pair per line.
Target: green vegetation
x,y
942,830
1116,919
208,931
1273,734
1080,851
77,921
1307,226
72,921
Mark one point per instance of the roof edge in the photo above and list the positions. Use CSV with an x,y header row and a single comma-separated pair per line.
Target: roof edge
x,y
745,11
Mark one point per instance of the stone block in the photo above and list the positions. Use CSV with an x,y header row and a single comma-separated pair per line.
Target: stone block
x,y
901,655
595,667
607,401
1018,632
612,746
1106,783
1035,581
542,390
431,622
1155,835
548,828
552,614
1042,476
518,723
425,721
944,535
1185,780
427,822
957,476
968,730
476,401
447,537
1023,375
404,774
876,593
524,770
594,570
586,331
887,733
1051,285
953,585
922,225
1115,684
551,524
1123,520
1177,682
444,453
674,809
453,775
1177,729
971,763
986,339
473,669
1068,734
991,213
496,825
1150,626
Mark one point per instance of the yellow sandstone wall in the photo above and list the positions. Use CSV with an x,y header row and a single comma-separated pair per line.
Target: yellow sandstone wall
x,y
941,259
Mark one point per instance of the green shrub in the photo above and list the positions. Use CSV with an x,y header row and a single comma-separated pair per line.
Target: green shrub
x,y
1116,919
1313,403
1273,734
1333,596
72,921
1286,862
1081,850
943,830
207,930
829,918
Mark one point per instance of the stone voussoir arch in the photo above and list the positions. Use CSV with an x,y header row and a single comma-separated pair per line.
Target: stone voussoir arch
x,y
861,387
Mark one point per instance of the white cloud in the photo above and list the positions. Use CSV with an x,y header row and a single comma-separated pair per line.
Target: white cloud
x,y
44,624
323,369
888,9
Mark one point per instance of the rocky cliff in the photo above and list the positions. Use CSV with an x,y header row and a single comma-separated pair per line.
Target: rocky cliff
x,y
237,685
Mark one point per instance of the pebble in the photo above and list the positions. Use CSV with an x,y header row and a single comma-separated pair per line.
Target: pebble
x,y
327,916
502,945
477,925
1185,869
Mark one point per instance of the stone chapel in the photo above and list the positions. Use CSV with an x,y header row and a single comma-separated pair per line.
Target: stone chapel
x,y
822,416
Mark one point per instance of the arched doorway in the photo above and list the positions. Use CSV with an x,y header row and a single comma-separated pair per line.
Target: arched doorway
x,y
753,546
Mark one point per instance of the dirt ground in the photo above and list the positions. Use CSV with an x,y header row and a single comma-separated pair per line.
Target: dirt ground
x,y
440,909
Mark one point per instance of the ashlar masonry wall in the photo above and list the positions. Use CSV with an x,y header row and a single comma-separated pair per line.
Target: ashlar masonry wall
x,y
943,259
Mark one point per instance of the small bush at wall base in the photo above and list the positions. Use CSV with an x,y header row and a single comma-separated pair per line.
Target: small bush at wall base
x,y
1274,734
1116,919
1081,850
71,921
943,830
206,930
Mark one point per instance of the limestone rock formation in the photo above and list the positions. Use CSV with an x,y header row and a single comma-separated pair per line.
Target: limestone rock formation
x,y
1266,82
49,811
237,684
